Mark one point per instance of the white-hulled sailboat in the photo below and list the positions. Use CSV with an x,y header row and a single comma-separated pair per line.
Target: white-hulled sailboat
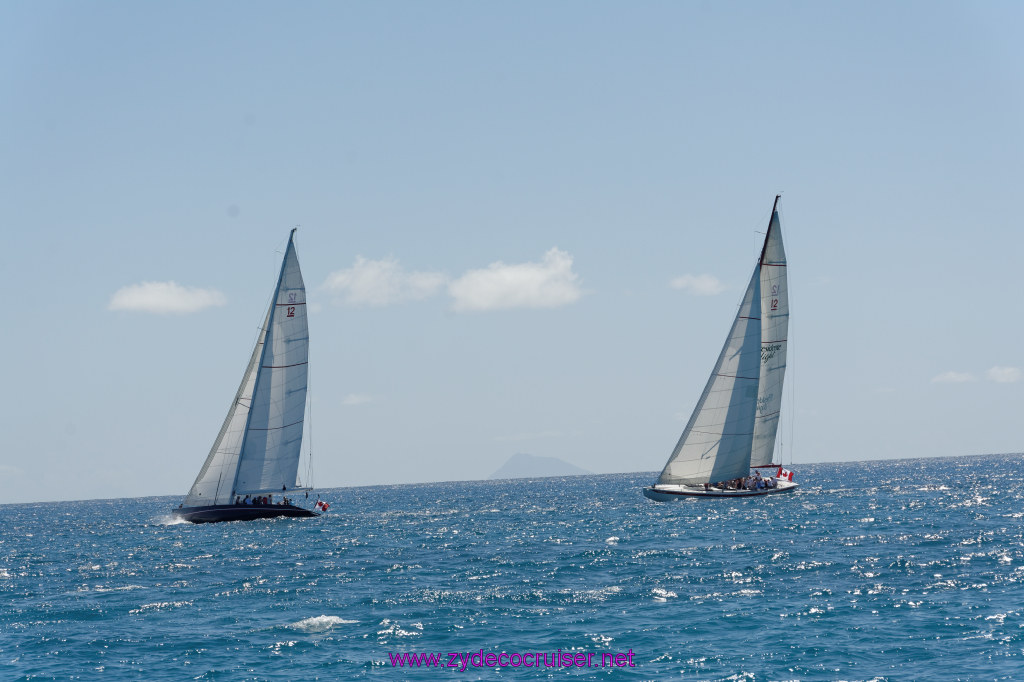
x,y
255,457
732,428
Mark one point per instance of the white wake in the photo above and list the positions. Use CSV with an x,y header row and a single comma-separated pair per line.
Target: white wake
x,y
319,623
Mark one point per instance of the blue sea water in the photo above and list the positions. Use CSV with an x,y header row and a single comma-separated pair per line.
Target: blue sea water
x,y
870,571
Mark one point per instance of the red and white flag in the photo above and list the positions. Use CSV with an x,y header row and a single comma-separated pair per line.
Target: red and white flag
x,y
784,474
321,505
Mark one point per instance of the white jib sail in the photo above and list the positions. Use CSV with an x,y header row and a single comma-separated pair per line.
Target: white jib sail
x,y
270,453
213,484
715,446
774,329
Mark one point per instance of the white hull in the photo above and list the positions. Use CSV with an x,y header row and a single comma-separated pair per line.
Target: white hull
x,y
667,493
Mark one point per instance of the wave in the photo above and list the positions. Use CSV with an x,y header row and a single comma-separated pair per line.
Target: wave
x,y
318,623
169,520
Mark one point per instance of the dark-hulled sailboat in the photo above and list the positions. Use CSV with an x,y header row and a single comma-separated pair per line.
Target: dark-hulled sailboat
x,y
252,469
732,429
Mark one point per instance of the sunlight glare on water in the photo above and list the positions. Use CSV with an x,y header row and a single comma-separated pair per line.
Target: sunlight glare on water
x,y
868,571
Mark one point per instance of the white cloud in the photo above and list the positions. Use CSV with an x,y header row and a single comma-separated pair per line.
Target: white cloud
x,y
698,285
547,284
164,297
953,378
1004,375
382,282
357,399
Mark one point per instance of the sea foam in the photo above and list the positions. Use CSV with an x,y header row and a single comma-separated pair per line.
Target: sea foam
x,y
318,623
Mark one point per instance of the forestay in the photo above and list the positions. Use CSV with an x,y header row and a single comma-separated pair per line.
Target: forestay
x,y
716,444
213,484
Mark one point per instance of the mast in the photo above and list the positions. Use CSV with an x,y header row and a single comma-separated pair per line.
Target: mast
x,y
768,233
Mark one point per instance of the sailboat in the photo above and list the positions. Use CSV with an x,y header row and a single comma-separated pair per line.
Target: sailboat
x,y
732,429
255,456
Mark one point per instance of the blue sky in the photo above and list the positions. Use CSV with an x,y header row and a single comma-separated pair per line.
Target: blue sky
x,y
495,200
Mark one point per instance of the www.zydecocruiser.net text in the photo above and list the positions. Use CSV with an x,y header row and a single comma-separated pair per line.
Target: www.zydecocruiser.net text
x,y
463,660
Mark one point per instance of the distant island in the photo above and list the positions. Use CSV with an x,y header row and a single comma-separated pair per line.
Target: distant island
x,y
522,465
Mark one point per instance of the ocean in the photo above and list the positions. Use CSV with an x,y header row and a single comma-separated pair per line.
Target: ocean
x,y
888,570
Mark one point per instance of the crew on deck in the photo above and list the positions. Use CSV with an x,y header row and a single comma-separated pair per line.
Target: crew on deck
x,y
261,501
752,483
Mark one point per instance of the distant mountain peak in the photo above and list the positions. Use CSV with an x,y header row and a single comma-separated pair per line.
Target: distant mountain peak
x,y
522,465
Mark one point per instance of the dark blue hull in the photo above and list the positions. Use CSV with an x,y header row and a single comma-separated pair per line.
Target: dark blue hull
x,y
240,512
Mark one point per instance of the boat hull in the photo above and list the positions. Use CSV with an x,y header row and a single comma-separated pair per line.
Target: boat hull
x,y
678,492
240,512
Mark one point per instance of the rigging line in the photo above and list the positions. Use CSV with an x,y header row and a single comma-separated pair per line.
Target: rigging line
x,y
272,298
790,368
765,219
792,407
309,426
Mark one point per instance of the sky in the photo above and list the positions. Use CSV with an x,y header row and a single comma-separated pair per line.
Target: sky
x,y
523,227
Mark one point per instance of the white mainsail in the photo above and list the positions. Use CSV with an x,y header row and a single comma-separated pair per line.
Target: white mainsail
x,y
715,446
774,328
258,447
734,424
